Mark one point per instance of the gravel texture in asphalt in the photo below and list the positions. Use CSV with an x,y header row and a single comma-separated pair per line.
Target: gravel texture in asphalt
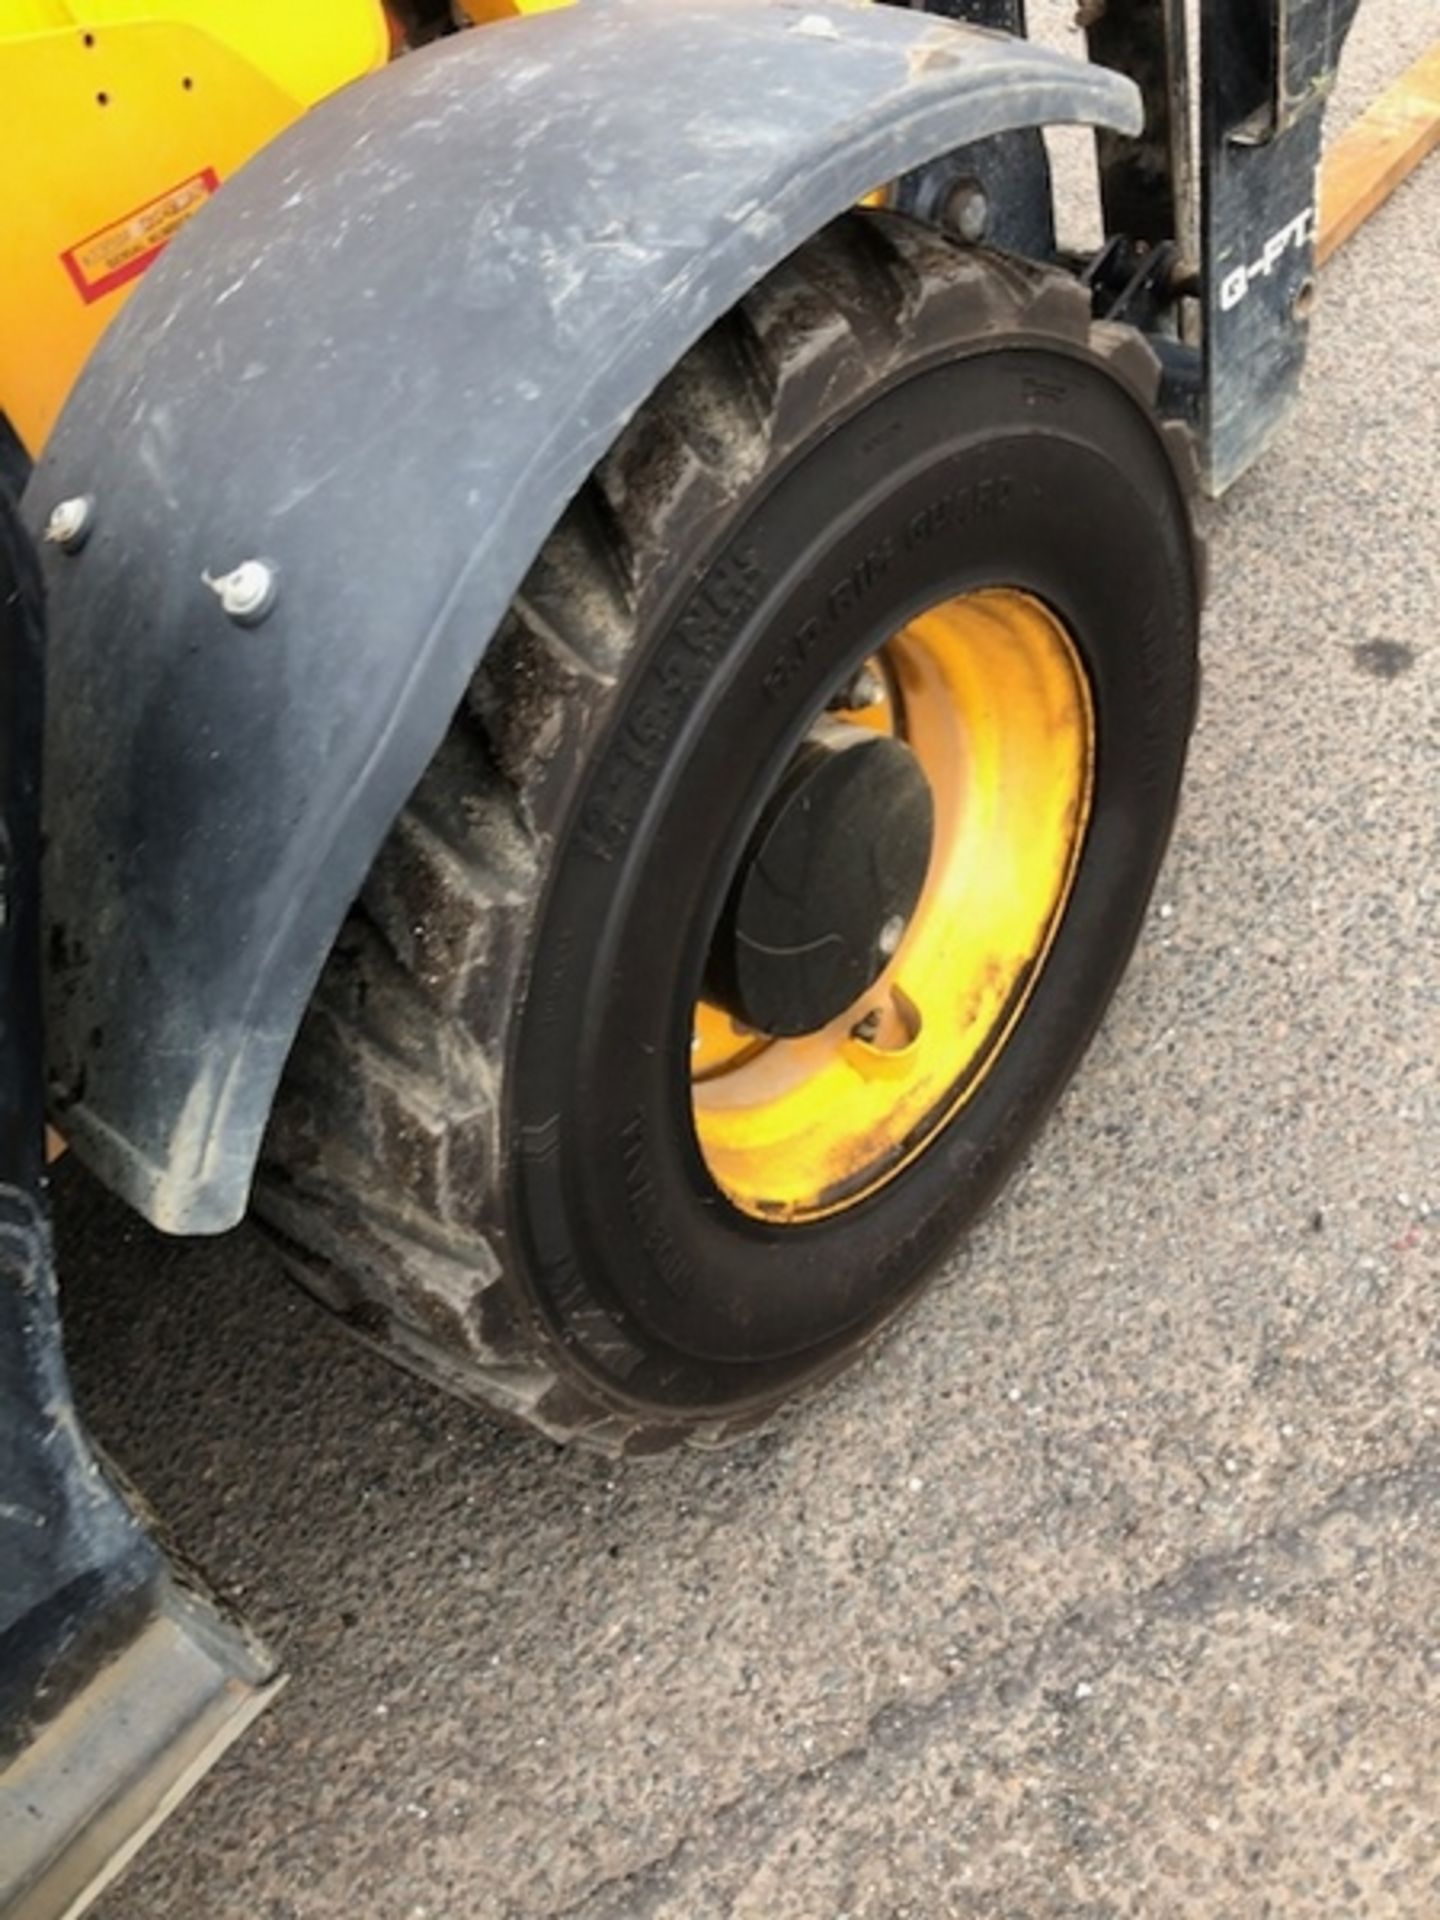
x,y
1108,1585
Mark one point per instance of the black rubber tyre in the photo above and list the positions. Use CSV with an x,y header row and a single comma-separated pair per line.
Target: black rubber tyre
x,y
483,1156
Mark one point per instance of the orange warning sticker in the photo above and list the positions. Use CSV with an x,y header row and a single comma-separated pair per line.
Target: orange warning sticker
x,y
124,249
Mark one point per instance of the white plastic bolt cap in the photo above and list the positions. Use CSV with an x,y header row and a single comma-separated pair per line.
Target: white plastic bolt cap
x,y
70,522
247,592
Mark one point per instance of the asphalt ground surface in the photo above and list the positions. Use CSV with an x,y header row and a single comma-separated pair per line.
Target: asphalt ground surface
x,y
1108,1586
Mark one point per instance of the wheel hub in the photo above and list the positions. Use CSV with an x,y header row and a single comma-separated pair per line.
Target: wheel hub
x,y
987,695
827,884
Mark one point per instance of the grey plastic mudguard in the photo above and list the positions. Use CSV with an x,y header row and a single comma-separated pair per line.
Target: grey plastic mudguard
x,y
383,360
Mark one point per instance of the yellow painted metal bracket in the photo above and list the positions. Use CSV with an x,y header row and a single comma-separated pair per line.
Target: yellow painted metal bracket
x,y
1385,146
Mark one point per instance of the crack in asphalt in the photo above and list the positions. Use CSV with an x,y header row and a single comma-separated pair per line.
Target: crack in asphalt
x,y
1087,1641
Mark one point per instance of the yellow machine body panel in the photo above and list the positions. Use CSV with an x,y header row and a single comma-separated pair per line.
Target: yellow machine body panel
x,y
120,124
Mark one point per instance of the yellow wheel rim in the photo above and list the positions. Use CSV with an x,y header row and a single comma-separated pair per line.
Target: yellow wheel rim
x,y
989,693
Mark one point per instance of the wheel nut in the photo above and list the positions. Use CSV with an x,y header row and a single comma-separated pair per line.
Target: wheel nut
x,y
891,934
70,522
247,592
867,1027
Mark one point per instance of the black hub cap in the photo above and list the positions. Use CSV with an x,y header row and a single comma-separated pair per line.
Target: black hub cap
x,y
827,884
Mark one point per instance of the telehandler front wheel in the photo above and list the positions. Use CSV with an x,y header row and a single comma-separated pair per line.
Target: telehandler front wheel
x,y
778,866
